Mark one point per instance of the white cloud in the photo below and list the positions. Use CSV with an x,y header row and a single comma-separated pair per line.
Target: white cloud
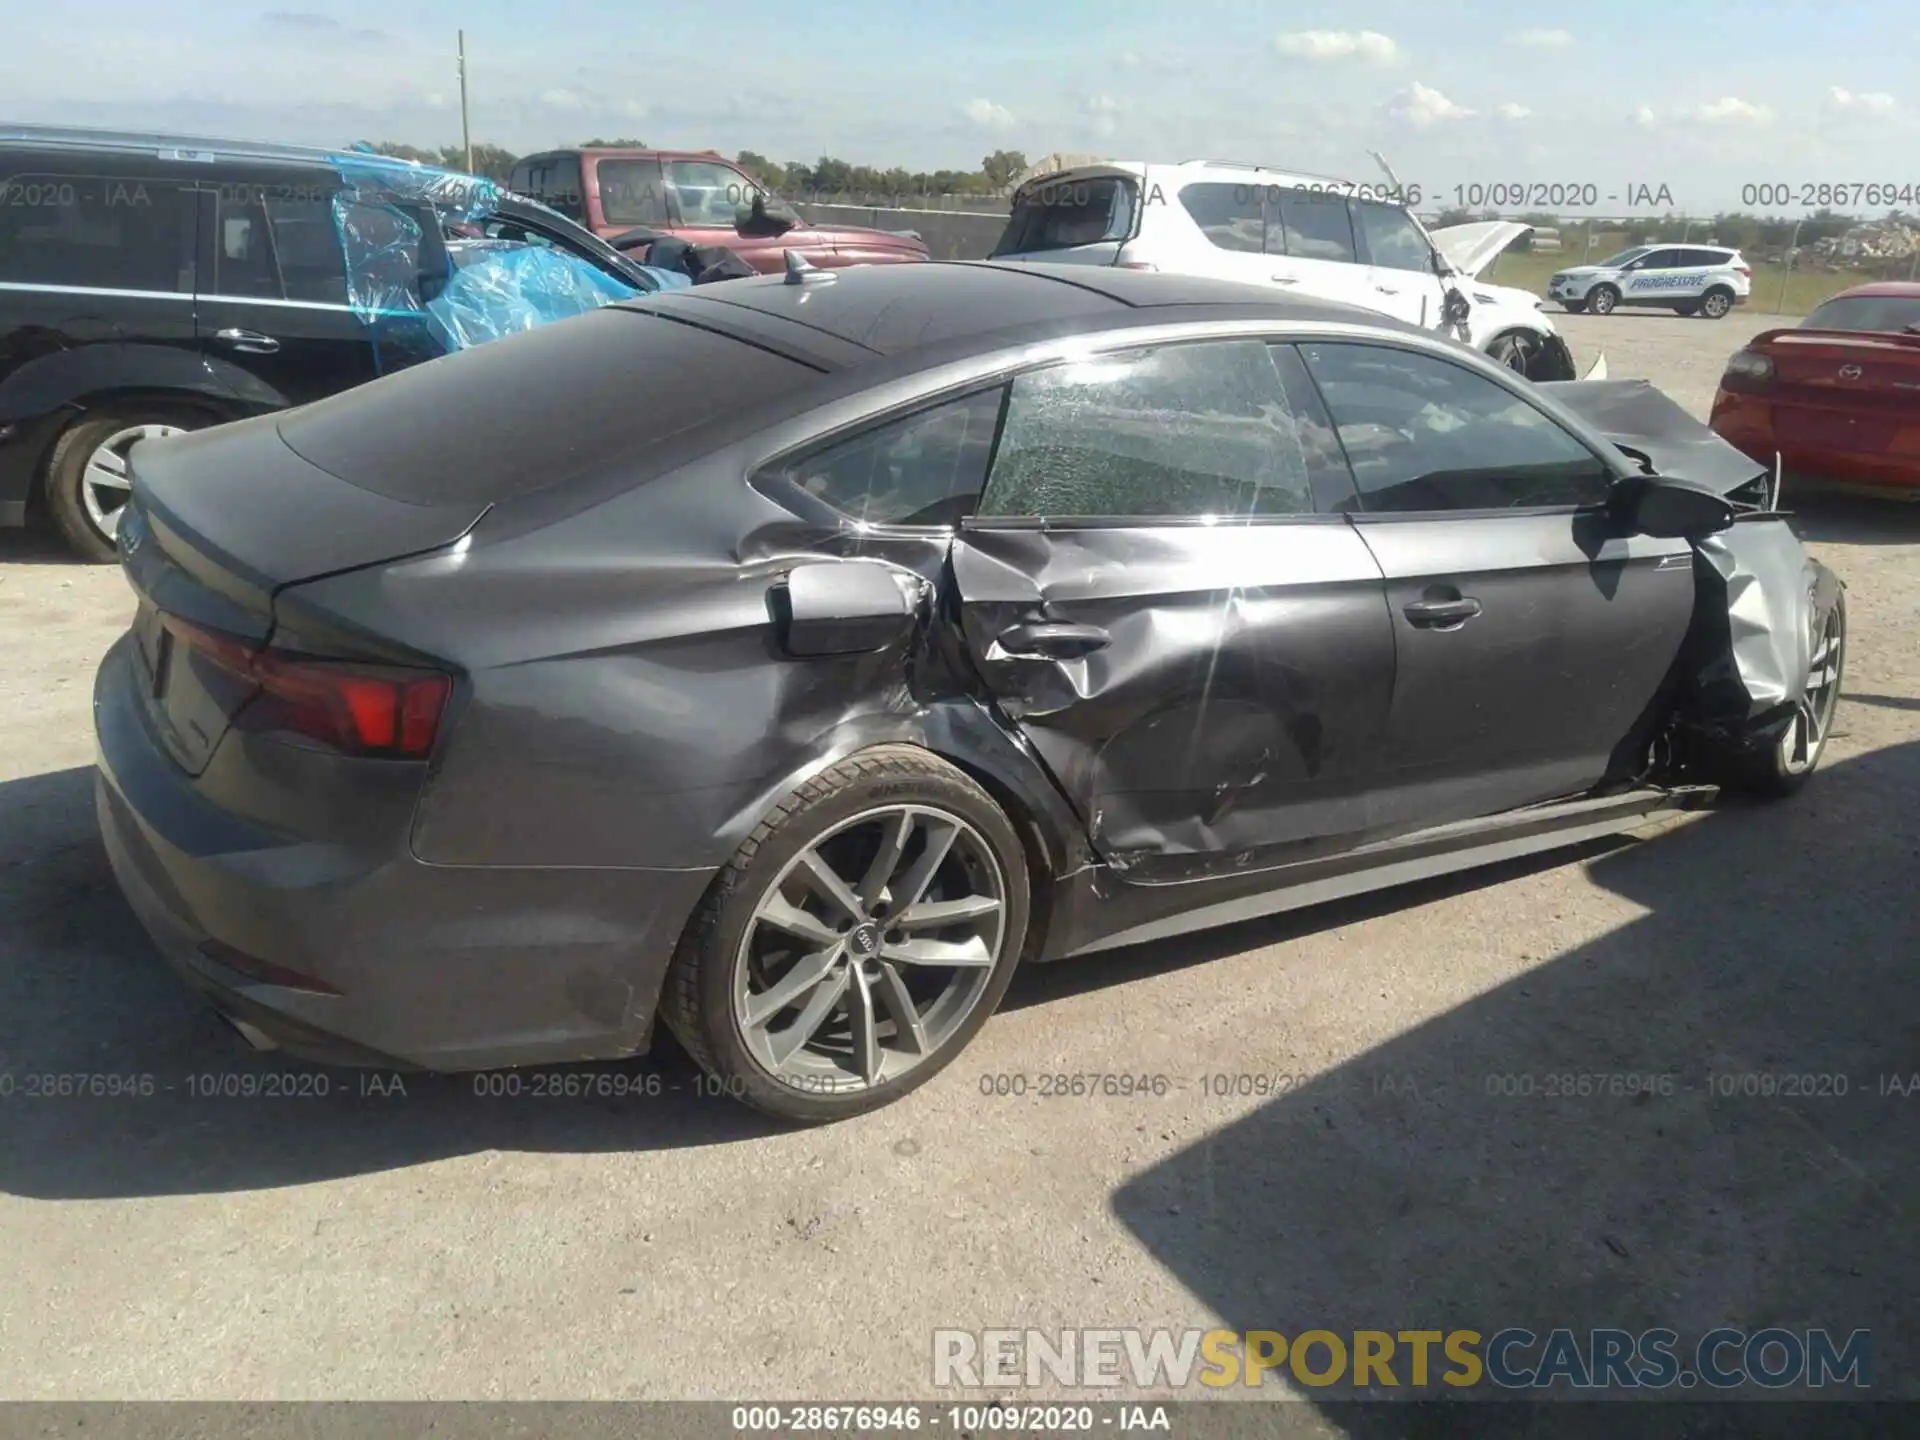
x,y
1368,45
1421,106
1645,118
1542,39
1511,111
562,100
1731,110
1129,58
1101,112
1871,102
987,114
435,101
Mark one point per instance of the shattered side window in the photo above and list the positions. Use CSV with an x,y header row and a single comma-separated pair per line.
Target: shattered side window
x,y
1195,430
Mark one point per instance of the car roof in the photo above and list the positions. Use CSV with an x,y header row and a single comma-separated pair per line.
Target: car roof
x,y
76,137
1881,290
870,311
1186,171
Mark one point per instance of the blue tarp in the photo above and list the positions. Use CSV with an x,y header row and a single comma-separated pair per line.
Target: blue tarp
x,y
420,295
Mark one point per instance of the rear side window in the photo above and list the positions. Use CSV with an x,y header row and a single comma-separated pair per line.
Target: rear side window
x,y
632,192
536,409
1712,259
1204,429
97,231
1425,434
1232,217
1314,225
924,469
306,245
1886,313
1064,213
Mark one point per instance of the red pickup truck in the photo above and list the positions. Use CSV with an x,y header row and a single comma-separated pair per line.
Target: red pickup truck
x,y
700,197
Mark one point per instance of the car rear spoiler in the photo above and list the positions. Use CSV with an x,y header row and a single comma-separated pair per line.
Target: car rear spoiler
x,y
1906,339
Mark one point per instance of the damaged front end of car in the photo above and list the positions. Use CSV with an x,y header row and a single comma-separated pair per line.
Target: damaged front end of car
x,y
1762,642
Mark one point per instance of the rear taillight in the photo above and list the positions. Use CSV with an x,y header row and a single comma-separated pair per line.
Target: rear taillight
x,y
1743,272
1748,370
381,711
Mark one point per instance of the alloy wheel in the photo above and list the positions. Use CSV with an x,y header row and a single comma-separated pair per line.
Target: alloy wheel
x,y
107,482
1800,747
870,950
1715,305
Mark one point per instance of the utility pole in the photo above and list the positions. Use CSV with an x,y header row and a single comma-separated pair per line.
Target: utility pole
x,y
466,135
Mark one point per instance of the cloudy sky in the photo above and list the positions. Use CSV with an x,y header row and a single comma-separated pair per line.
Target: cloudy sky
x,y
1704,100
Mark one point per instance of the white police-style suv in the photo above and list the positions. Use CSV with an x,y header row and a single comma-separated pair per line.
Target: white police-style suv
x,y
1335,239
1686,279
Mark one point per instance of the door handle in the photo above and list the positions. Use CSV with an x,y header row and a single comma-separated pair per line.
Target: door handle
x,y
1284,279
1442,614
251,342
1052,640
1386,290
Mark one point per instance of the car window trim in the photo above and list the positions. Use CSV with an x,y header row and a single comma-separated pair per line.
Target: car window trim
x,y
785,441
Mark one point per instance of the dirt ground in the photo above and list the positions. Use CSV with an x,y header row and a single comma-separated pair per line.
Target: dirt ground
x,y
1393,1160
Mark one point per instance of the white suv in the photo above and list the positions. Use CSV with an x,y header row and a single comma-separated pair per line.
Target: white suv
x,y
1687,279
1329,238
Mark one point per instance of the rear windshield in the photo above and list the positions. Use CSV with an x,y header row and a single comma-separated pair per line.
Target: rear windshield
x,y
1059,214
1866,312
534,410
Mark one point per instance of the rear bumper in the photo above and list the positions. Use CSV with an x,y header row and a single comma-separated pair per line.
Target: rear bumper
x,y
1748,423
356,958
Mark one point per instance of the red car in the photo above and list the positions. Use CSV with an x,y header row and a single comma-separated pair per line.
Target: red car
x,y
1838,397
698,196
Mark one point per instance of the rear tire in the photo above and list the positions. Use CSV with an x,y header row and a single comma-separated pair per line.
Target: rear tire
x,y
794,1001
1716,303
1781,769
1602,299
1687,307
1574,307
86,477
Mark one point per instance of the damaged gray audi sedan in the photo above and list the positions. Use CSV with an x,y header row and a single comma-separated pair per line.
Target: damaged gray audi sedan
x,y
789,660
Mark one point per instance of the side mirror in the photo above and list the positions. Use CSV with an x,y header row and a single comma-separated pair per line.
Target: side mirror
x,y
1458,308
763,221
1671,509
845,607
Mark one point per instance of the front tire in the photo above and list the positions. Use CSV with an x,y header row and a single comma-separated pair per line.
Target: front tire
x,y
1781,769
856,942
1602,299
87,478
1716,303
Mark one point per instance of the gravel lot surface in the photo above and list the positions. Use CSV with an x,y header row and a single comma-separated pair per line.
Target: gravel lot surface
x,y
440,1245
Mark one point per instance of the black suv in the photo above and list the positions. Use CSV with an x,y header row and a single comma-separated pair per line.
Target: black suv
x,y
151,284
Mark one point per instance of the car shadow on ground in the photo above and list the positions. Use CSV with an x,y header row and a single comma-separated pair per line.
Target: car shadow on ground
x,y
1444,1181
36,544
84,993
1839,518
